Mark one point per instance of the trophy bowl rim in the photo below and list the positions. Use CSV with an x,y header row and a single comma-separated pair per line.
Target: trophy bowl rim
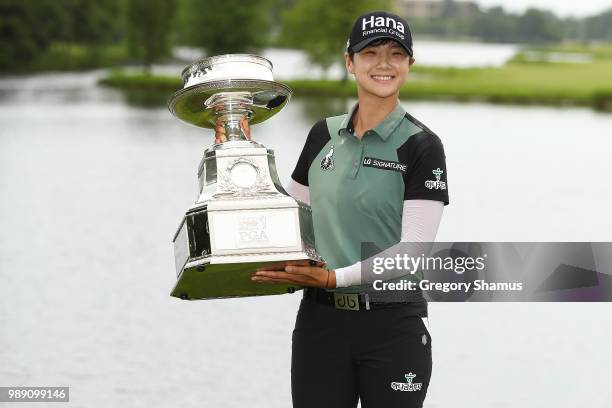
x,y
215,59
223,85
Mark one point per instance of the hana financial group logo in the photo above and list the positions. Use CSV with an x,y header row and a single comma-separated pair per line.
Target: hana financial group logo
x,y
375,22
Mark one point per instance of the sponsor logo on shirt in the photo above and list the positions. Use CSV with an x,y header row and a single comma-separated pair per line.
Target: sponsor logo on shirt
x,y
385,164
408,385
436,184
328,161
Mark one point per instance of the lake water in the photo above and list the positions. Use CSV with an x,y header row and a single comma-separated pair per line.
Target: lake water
x,y
92,190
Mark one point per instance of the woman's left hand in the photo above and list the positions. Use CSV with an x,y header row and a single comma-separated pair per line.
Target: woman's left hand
x,y
300,272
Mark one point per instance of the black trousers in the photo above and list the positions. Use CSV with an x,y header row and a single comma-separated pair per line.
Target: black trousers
x,y
382,357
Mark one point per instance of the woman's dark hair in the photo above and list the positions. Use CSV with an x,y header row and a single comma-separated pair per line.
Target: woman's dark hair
x,y
375,43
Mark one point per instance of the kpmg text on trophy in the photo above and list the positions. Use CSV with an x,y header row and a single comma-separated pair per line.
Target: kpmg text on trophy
x,y
242,218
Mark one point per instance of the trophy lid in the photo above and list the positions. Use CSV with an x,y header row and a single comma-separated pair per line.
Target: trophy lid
x,y
239,66
240,73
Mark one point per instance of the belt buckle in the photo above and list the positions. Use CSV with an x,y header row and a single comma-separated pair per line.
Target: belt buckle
x,y
346,301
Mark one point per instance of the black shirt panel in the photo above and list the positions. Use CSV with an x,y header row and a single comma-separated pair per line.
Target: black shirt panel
x,y
316,140
425,177
419,123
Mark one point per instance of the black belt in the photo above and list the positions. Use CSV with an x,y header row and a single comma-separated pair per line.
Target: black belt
x,y
348,301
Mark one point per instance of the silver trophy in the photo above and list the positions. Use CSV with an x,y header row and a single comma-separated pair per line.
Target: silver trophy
x,y
242,219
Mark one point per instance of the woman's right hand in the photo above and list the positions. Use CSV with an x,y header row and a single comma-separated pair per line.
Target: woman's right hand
x,y
220,131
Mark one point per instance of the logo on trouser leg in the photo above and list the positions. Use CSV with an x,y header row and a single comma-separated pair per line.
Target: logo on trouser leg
x,y
408,385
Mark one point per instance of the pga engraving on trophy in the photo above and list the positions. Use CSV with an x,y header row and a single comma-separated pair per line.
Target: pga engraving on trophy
x,y
242,218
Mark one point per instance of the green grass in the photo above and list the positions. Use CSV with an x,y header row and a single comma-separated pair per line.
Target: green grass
x,y
532,83
595,51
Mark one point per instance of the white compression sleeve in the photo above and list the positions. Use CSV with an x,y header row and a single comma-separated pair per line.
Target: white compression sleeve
x,y
420,222
298,191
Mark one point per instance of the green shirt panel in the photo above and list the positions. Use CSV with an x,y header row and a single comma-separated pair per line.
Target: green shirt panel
x,y
352,203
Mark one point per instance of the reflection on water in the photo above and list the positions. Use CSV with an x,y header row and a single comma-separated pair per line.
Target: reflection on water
x,y
92,190
145,98
314,108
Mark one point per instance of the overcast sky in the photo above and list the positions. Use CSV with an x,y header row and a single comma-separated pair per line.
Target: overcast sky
x,y
579,8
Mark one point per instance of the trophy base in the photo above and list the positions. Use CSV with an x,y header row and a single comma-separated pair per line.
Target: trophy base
x,y
217,248
203,280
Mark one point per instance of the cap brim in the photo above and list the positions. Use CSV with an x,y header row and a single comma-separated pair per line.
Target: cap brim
x,y
361,45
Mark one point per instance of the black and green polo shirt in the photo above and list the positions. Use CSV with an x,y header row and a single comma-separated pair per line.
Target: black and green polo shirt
x,y
357,186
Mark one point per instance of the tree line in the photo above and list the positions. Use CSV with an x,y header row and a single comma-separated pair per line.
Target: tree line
x,y
148,29
534,26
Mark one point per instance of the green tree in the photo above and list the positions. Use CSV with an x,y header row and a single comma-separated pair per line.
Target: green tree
x,y
494,25
599,27
538,26
449,9
94,22
150,24
225,27
28,29
321,28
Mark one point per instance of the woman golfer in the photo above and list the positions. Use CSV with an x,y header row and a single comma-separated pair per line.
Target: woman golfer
x,y
374,175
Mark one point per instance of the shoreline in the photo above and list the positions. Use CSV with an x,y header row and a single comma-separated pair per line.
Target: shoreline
x,y
490,85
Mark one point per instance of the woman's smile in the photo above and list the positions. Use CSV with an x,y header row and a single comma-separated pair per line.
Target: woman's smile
x,y
383,78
